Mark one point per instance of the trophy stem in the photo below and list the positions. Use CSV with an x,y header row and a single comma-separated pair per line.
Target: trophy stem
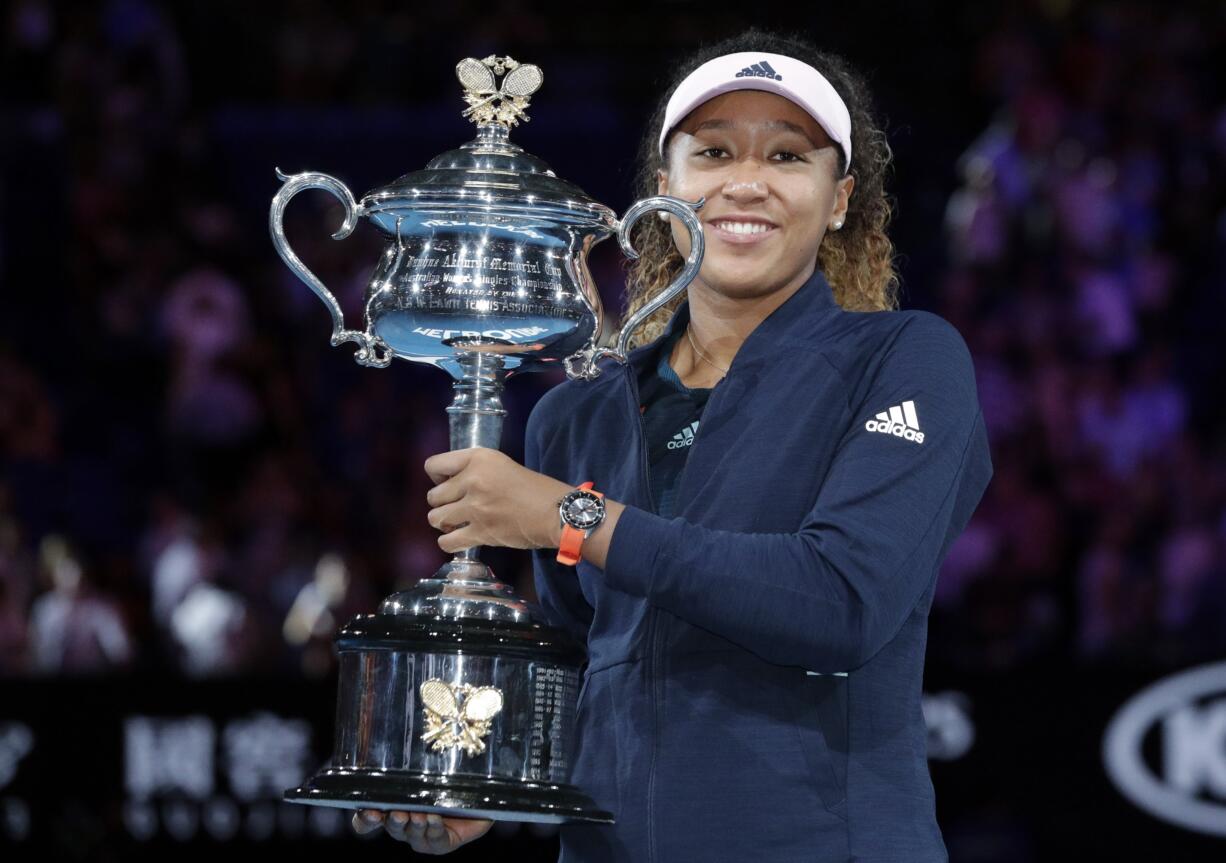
x,y
464,585
476,415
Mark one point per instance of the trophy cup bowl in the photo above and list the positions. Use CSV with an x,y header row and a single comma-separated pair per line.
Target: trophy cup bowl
x,y
457,696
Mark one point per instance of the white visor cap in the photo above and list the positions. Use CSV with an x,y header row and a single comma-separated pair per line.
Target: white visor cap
x,y
774,73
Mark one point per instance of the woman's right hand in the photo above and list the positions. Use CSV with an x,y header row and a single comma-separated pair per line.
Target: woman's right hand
x,y
426,833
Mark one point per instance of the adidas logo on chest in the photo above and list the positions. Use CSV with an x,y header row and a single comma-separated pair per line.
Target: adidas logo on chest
x,y
899,421
685,437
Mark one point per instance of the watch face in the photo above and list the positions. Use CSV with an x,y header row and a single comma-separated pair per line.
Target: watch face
x,y
583,510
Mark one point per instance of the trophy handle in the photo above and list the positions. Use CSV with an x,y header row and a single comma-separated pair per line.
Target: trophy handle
x,y
583,363
371,349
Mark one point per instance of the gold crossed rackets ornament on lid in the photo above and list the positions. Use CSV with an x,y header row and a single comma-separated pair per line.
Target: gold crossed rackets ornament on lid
x,y
489,103
458,715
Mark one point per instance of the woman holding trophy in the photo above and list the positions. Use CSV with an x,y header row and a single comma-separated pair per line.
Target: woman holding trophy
x,y
744,524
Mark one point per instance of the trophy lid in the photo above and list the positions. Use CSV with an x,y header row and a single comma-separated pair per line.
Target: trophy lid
x,y
490,172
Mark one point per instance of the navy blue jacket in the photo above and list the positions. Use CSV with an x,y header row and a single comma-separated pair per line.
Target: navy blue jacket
x,y
753,687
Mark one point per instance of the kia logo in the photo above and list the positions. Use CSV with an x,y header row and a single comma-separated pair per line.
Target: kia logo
x,y
1187,713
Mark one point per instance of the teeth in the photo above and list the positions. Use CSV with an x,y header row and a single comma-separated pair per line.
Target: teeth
x,y
743,227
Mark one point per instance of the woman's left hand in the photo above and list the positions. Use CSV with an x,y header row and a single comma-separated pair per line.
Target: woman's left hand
x,y
482,496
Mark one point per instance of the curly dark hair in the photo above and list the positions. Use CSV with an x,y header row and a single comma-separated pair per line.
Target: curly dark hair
x,y
858,260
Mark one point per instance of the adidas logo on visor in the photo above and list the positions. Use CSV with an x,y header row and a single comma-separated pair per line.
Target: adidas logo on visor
x,y
685,437
760,70
899,421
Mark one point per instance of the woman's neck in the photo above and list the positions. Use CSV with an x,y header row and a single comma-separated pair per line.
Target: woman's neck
x,y
718,326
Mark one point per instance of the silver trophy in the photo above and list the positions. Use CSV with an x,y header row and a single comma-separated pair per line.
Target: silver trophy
x,y
457,696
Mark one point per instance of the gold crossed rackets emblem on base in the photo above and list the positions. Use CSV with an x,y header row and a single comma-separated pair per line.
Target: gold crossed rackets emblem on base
x,y
458,715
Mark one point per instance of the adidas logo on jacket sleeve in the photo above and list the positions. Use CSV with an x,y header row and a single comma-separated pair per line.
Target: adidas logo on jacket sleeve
x,y
899,421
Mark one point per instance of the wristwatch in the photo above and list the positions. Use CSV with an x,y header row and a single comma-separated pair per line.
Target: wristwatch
x,y
581,512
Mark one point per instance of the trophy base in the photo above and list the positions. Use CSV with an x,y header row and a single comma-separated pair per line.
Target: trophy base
x,y
457,796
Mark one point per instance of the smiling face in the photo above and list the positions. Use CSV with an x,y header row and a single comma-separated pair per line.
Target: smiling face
x,y
767,171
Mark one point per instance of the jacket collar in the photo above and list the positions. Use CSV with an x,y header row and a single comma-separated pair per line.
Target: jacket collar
x,y
797,315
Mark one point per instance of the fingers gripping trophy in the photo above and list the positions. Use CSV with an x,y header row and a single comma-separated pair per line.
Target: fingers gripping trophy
x,y
457,697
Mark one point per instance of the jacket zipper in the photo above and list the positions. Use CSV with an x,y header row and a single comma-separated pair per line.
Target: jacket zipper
x,y
654,660
653,652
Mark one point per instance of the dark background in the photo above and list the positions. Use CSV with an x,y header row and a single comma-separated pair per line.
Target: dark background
x,y
180,448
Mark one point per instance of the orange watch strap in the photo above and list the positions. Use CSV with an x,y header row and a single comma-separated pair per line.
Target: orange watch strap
x,y
572,537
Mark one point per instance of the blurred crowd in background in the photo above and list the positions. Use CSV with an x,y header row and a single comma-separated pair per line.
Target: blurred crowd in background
x,y
190,478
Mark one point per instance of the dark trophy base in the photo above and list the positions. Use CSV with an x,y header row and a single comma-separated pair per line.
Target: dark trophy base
x,y
400,747
457,796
